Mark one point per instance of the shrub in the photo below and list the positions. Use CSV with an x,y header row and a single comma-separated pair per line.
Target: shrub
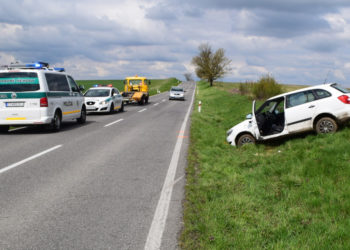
x,y
266,87
245,88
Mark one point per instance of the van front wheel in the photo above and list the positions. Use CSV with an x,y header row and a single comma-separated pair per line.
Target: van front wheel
x,y
82,118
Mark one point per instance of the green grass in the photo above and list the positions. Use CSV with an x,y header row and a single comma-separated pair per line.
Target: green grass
x,y
287,194
156,84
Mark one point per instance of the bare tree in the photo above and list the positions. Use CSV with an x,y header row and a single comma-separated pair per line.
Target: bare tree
x,y
188,77
209,65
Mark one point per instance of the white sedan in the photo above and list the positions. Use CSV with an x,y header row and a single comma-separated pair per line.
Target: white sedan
x,y
103,99
177,93
321,108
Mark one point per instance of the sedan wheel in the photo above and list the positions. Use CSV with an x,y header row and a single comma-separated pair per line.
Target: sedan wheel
x,y
245,139
326,125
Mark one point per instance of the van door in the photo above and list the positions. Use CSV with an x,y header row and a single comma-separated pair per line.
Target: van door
x,y
77,97
59,94
20,97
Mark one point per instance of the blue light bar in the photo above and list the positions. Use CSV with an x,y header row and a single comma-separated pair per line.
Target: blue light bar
x,y
35,65
95,85
59,69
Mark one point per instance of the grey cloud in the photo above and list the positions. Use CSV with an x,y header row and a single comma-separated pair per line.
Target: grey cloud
x,y
309,6
281,24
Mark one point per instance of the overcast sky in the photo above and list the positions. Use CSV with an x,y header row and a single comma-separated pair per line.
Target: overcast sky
x,y
296,41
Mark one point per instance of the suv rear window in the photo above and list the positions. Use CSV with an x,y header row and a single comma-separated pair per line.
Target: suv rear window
x,y
19,82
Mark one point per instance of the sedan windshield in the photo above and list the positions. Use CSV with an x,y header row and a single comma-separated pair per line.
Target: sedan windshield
x,y
97,93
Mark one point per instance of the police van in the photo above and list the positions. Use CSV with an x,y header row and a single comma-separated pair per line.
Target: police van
x,y
35,94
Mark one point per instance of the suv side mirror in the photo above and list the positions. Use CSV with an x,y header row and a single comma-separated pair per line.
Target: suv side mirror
x,y
81,87
249,116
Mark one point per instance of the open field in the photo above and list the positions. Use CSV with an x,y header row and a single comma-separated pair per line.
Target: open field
x,y
156,84
287,194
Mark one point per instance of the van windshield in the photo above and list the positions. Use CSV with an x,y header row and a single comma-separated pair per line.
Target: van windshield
x,y
19,82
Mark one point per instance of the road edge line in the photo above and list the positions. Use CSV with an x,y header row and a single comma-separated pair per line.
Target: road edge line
x,y
155,234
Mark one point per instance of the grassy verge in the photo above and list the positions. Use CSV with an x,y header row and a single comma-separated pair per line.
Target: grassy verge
x,y
293,193
156,84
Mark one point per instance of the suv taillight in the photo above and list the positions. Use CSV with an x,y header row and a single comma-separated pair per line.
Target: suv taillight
x,y
345,99
44,102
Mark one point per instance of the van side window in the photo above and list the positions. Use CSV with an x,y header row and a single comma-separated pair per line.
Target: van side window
x,y
57,82
300,98
321,93
73,85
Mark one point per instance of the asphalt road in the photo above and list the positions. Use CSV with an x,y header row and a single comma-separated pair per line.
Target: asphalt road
x,y
97,185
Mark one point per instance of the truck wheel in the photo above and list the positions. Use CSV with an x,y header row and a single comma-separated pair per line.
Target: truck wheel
x,y
146,100
326,125
55,125
245,139
82,118
142,101
4,128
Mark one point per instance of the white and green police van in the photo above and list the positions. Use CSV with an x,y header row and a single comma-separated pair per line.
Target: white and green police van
x,y
35,94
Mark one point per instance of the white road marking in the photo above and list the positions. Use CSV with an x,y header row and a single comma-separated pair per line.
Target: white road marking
x,y
29,159
155,234
142,110
156,104
109,124
14,129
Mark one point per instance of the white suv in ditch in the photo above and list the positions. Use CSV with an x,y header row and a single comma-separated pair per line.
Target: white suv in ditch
x,y
35,94
321,108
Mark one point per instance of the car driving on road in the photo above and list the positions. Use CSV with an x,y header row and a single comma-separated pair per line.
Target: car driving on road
x,y
36,94
103,99
177,93
321,108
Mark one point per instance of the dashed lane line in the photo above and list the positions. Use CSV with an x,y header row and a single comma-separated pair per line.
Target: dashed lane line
x,y
3,170
109,124
142,110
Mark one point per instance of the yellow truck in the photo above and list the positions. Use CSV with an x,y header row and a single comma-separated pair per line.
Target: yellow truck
x,y
136,90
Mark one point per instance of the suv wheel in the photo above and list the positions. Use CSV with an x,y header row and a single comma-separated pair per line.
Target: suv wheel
x,y
82,118
245,139
326,125
122,108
